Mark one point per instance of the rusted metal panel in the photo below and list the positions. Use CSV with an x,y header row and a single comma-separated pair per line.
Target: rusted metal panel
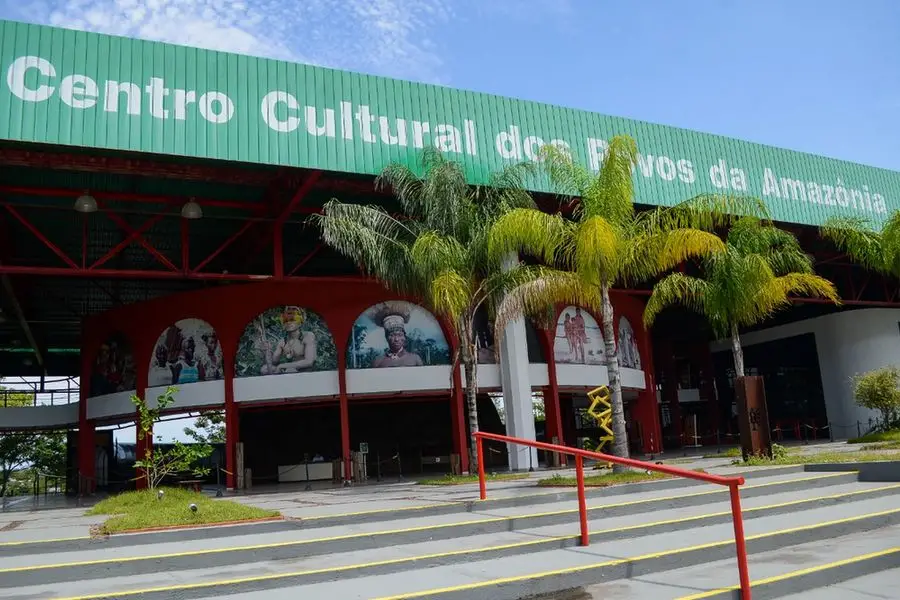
x,y
90,90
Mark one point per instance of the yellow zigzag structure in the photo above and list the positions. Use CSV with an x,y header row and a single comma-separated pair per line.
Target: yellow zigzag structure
x,y
599,398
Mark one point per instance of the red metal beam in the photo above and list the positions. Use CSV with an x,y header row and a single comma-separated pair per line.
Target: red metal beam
x,y
126,197
259,176
53,247
128,239
298,196
150,274
124,226
307,258
225,244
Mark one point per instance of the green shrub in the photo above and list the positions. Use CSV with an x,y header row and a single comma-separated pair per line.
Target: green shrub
x,y
879,390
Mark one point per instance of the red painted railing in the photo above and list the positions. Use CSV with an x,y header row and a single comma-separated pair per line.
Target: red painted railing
x,y
732,483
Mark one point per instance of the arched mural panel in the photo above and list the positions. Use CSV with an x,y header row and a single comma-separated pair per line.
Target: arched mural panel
x,y
396,334
578,339
113,368
186,352
629,354
285,339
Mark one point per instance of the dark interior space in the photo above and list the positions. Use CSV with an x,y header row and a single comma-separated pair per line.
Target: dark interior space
x,y
282,436
793,381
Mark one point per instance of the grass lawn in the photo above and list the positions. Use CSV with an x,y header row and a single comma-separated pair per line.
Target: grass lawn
x,y
461,479
881,436
820,458
132,511
728,453
882,446
603,480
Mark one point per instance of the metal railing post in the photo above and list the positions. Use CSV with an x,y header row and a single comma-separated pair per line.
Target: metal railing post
x,y
482,483
582,503
739,542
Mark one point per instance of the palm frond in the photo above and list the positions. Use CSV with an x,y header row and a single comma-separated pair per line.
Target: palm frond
x,y
568,178
507,189
533,297
450,294
855,237
705,211
377,242
433,253
676,288
647,256
403,183
776,295
530,231
595,250
611,193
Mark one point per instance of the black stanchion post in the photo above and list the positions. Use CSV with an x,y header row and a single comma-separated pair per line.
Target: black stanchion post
x,y
830,432
378,466
399,466
306,464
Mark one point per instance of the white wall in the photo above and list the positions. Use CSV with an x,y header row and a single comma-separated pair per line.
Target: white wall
x,y
190,395
110,405
22,417
847,343
286,385
398,379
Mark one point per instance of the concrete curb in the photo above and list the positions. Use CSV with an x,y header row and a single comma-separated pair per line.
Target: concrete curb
x,y
886,471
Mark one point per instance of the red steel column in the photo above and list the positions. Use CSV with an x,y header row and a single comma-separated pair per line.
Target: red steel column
x,y
458,422
86,466
232,434
551,399
345,418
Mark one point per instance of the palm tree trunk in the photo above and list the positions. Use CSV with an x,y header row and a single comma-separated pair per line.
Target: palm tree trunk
x,y
738,352
620,443
470,367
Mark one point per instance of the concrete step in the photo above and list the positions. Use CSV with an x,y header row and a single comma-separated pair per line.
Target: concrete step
x,y
467,567
489,517
877,585
802,568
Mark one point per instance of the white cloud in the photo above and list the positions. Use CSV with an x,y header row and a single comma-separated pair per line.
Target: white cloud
x,y
386,37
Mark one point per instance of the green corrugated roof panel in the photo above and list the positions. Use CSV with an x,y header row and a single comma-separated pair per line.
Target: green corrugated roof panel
x,y
91,90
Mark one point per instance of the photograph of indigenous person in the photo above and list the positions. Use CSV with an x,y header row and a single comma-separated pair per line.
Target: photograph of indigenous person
x,y
396,334
628,349
578,338
186,352
113,369
285,339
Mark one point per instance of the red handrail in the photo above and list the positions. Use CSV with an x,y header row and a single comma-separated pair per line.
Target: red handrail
x,y
732,483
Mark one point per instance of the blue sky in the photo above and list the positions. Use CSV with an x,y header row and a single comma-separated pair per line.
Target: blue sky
x,y
815,75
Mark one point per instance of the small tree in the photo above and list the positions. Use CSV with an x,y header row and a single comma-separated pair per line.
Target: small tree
x,y
180,458
209,428
45,452
879,390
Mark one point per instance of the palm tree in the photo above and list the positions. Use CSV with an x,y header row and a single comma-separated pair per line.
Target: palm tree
x,y
874,249
606,243
761,268
436,250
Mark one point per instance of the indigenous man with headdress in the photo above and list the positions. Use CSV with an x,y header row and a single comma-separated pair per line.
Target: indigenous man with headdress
x,y
393,316
297,349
